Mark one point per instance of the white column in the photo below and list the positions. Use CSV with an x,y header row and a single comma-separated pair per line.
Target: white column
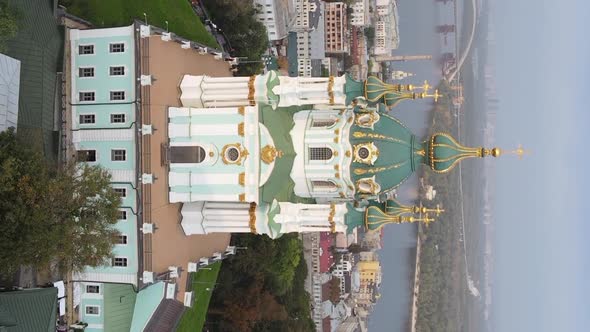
x,y
228,229
228,214
208,79
227,205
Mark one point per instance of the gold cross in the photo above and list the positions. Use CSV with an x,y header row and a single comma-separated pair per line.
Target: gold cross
x,y
519,151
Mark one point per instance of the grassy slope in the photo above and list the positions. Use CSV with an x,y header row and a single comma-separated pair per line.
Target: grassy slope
x,y
179,14
193,319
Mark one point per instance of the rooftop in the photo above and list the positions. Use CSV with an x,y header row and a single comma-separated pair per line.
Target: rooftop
x,y
168,245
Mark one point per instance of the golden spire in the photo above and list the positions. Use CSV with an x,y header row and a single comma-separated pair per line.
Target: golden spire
x,y
426,220
496,152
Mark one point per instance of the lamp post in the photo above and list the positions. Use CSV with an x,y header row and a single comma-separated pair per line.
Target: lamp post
x,y
166,26
145,17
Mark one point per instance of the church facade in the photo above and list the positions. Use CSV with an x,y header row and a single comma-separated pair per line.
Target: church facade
x,y
272,155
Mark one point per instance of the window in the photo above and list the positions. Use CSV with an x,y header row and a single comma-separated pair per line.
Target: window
x,y
87,118
92,310
86,96
118,155
117,95
117,118
86,71
120,261
93,289
319,123
117,71
122,192
323,186
86,49
122,215
186,154
86,155
323,153
122,239
117,48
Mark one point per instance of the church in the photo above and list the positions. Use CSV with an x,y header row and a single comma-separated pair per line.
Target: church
x,y
272,155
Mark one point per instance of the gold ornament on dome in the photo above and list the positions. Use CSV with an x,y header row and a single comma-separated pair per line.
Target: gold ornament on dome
x,y
368,186
366,119
233,154
365,153
269,153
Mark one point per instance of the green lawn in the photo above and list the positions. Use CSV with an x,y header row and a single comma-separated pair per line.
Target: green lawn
x,y
193,318
179,14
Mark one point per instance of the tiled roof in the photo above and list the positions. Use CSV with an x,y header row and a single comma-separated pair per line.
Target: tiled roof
x,y
166,316
326,259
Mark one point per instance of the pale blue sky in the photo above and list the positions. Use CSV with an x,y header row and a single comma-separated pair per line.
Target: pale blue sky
x,y
543,76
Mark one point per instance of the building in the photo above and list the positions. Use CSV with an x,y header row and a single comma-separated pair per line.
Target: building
x,y
310,38
196,155
336,27
103,128
359,13
112,114
386,28
9,91
277,16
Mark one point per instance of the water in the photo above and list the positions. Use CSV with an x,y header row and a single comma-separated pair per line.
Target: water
x,y
418,21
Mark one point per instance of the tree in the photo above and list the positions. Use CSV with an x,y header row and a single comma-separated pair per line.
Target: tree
x,y
247,36
8,24
46,215
334,284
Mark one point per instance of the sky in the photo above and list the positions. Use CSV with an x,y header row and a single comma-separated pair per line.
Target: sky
x,y
542,255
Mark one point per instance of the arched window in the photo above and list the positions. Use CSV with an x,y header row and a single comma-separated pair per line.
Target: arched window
x,y
320,153
187,154
323,123
323,186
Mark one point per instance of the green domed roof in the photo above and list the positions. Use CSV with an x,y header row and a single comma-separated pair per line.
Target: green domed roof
x,y
399,152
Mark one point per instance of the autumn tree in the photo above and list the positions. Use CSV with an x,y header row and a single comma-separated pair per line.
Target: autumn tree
x,y
47,215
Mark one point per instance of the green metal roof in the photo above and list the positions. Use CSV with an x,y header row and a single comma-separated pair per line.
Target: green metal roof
x,y
119,301
400,152
39,45
147,302
28,310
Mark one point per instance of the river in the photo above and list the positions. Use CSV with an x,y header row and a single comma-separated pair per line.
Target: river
x,y
417,26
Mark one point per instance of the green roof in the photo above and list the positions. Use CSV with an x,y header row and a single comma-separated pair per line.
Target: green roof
x,y
148,300
28,310
119,301
400,152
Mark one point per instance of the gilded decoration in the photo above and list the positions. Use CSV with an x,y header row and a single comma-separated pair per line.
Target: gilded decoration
x,y
252,222
348,154
241,110
233,154
331,218
375,170
241,129
365,153
380,137
331,90
251,90
242,197
368,186
366,119
269,153
211,153
242,179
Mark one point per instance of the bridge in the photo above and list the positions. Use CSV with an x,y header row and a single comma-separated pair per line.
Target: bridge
x,y
452,72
